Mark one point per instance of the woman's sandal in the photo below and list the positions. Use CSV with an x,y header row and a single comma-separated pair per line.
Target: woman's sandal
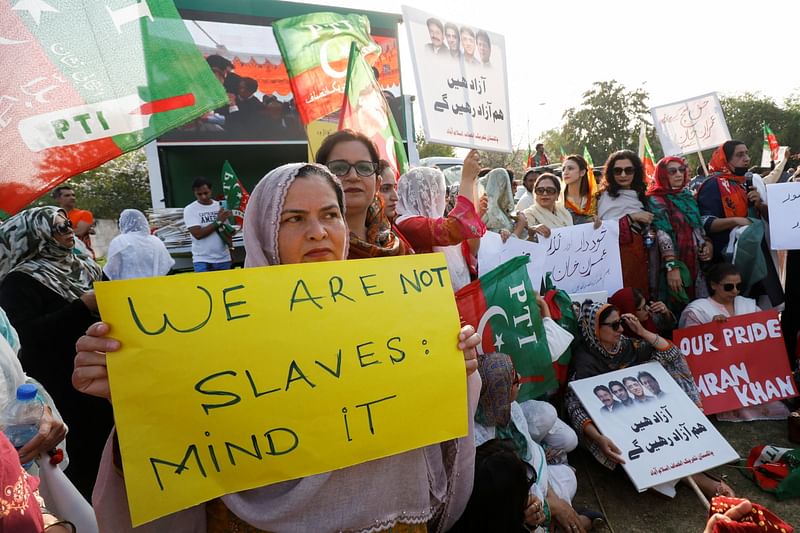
x,y
597,519
722,488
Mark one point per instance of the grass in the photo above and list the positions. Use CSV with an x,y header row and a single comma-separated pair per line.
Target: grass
x,y
628,511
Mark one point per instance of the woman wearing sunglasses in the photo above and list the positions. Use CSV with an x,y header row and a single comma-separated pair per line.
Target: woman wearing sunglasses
x,y
725,285
623,198
546,212
603,348
682,240
354,159
47,292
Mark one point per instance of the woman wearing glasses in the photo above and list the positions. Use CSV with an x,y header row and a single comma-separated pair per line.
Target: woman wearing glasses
x,y
47,293
546,213
725,285
354,159
623,198
682,240
603,348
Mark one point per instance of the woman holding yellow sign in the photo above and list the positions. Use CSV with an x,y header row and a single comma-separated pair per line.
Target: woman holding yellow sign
x,y
295,215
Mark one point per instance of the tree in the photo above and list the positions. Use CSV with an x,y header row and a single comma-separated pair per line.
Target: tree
x,y
607,120
746,113
427,149
121,183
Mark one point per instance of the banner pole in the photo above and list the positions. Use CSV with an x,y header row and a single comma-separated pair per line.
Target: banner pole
x,y
702,161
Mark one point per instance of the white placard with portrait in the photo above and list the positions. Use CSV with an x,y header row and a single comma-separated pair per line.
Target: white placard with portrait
x,y
691,125
661,433
461,81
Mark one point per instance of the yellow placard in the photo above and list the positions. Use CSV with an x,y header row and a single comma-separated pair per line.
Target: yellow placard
x,y
237,379
316,132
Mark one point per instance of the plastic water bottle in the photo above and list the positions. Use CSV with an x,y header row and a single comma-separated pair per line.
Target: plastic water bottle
x,y
23,417
649,237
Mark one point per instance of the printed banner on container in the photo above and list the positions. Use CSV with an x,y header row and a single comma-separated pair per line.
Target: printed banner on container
x,y
85,82
307,384
662,434
690,125
738,363
461,82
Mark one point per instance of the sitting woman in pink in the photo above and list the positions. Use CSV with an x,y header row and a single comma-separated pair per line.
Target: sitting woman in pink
x,y
422,196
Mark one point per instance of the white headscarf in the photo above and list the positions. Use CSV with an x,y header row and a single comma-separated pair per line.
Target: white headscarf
x,y
501,201
422,192
134,253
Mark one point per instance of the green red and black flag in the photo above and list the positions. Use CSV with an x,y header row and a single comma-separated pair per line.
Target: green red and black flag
x,y
563,154
86,81
366,110
236,195
501,306
529,160
648,161
315,49
771,142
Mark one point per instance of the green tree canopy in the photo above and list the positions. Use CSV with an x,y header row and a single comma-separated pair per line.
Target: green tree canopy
x,y
427,149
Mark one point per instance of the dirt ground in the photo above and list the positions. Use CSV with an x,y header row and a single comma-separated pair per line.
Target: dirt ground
x,y
628,511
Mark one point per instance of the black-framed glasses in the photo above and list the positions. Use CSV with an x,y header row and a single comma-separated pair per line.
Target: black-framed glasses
x,y
341,168
549,191
63,228
728,287
676,170
619,171
617,324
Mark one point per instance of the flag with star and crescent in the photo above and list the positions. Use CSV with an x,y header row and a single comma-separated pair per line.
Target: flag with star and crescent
x,y
86,81
501,306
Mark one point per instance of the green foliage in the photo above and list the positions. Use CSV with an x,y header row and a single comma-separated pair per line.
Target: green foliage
x,y
745,114
427,149
119,184
607,120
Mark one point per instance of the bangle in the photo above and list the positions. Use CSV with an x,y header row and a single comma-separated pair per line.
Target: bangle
x,y
671,265
655,341
66,523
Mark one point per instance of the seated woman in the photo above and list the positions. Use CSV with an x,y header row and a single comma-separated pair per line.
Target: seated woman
x,y
421,203
604,348
500,416
546,212
622,198
500,201
134,253
682,240
295,216
724,283
654,316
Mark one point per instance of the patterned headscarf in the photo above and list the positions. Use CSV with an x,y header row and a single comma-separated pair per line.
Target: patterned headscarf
x,y
501,201
133,221
421,192
589,325
732,194
27,245
262,218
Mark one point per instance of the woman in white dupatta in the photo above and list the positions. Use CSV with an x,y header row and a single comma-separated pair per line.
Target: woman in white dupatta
x,y
547,212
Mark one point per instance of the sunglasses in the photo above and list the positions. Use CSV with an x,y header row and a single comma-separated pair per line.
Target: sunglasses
x,y
619,171
545,191
676,170
617,324
728,287
64,228
342,168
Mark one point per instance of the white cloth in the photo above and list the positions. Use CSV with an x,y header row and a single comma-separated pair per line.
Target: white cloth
x,y
210,249
501,202
525,201
560,217
135,253
627,203
558,338
703,310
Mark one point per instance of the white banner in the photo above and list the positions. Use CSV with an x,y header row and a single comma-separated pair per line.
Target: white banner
x,y
691,125
461,82
581,259
783,200
663,436
766,155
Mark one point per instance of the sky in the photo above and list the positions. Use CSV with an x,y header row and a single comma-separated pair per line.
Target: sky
x,y
674,50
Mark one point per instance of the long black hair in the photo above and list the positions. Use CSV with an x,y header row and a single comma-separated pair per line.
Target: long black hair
x,y
610,183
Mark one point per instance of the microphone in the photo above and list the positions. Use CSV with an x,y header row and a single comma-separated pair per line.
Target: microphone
x,y
748,180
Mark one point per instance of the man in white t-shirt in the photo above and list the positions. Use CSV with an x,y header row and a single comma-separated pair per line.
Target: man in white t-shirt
x,y
203,217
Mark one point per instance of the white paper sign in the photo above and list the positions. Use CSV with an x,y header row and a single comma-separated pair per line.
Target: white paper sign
x,y
663,436
783,200
766,155
582,259
691,125
461,81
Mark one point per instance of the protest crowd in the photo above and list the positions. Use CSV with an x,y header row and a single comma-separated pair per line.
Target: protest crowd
x,y
693,251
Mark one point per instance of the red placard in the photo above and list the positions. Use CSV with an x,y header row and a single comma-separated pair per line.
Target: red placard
x,y
739,362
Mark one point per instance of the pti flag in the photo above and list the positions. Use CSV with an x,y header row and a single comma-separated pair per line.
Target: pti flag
x,y
502,307
771,142
86,81
315,49
649,164
236,195
365,110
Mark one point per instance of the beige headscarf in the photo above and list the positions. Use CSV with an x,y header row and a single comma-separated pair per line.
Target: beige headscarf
x,y
430,484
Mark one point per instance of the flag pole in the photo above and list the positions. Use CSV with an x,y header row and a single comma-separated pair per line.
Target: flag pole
x,y
697,142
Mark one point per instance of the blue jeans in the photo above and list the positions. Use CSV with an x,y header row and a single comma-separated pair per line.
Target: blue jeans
x,y
210,267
